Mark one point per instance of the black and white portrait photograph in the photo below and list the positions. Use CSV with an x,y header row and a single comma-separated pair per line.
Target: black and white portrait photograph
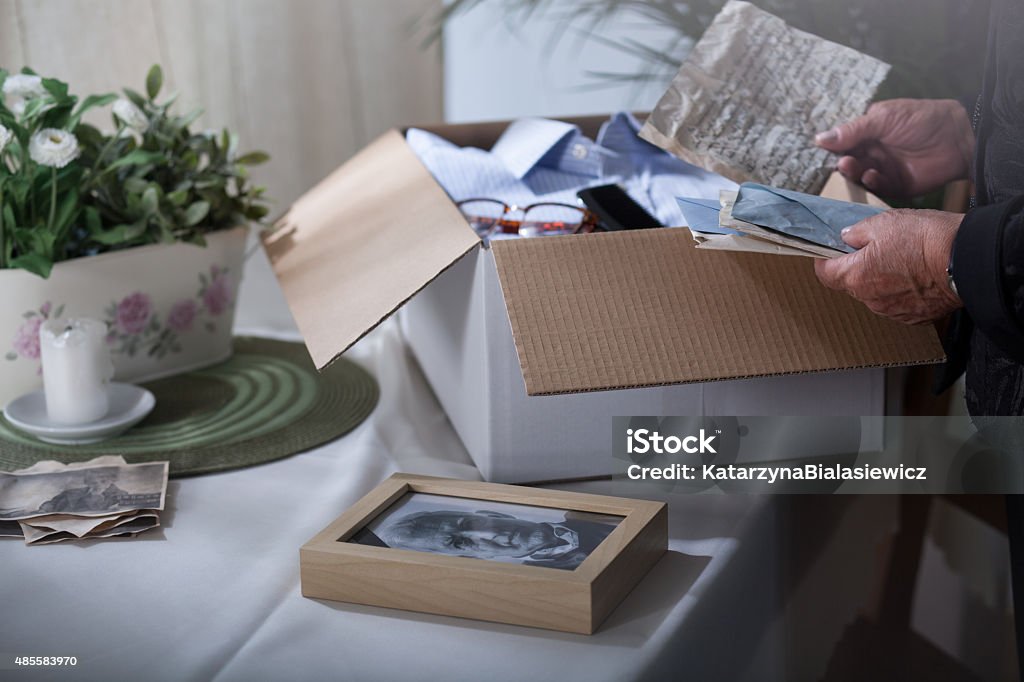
x,y
483,529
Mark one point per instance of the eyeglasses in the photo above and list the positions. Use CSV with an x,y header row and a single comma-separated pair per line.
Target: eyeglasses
x,y
489,217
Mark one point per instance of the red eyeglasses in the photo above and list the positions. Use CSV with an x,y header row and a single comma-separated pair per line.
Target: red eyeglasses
x,y
488,217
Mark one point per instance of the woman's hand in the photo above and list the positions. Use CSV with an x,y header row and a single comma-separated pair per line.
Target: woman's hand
x,y
904,147
899,269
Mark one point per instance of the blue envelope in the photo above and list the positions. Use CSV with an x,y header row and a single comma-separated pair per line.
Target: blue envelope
x,y
702,215
796,214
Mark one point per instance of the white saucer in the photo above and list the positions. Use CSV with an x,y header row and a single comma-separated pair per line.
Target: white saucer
x,y
128,406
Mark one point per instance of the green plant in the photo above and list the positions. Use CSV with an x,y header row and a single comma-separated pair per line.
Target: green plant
x,y
69,190
40,169
154,180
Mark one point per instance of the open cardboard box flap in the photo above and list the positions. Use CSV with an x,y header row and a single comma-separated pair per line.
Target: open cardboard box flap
x,y
589,312
357,246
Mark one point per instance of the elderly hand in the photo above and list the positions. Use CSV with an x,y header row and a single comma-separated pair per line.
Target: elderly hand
x,y
899,270
904,147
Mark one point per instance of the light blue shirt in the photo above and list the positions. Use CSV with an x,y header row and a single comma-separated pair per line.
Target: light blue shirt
x,y
538,160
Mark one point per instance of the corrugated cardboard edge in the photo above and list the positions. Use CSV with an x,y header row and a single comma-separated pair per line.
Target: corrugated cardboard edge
x,y
669,314
626,387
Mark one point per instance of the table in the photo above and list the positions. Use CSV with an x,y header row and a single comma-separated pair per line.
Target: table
x,y
215,594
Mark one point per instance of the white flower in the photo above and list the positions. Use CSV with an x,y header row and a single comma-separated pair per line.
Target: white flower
x,y
53,147
130,115
5,137
24,86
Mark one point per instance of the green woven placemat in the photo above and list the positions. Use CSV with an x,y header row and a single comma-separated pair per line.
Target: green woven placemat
x,y
265,403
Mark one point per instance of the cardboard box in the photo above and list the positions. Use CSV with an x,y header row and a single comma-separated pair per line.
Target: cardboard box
x,y
605,324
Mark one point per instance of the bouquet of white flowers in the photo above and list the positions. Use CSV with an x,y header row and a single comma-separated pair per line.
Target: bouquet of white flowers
x,y
69,190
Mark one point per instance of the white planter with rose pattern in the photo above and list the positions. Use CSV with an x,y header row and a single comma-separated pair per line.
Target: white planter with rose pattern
x,y
169,308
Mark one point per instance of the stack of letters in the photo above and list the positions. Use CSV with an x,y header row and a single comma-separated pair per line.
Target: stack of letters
x,y
104,497
772,220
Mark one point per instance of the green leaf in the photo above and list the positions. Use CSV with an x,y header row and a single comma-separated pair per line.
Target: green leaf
x,y
93,222
151,200
88,103
154,81
35,106
196,212
138,157
34,263
95,101
135,185
58,115
34,241
253,158
178,198
167,235
256,211
137,99
213,183
188,119
67,210
8,217
120,234
58,89
89,137
11,355
171,99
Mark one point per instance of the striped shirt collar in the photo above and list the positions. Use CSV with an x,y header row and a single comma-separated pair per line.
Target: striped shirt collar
x,y
529,143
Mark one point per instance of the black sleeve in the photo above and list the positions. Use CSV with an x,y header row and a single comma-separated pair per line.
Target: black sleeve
x,y
970,102
988,268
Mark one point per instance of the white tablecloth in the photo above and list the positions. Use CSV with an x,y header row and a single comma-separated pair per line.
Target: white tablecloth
x,y
215,595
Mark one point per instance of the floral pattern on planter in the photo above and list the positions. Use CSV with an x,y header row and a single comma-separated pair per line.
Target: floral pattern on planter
x,y
26,340
135,327
133,323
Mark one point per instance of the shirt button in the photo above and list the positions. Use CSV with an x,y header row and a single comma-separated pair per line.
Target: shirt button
x,y
579,151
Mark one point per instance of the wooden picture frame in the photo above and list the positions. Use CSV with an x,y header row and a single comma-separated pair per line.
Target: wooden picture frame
x,y
334,567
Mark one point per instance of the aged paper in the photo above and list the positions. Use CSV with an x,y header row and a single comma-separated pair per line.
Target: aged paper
x,y
753,92
104,497
101,487
744,242
110,526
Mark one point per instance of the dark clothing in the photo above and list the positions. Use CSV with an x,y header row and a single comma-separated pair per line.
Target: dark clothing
x,y
987,337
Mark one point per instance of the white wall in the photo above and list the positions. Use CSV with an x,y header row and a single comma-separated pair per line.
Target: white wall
x,y
498,67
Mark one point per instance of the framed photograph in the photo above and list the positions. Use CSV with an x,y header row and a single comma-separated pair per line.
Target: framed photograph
x,y
502,553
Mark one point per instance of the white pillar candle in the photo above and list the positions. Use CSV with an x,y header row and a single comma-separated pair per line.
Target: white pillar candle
x,y
76,370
